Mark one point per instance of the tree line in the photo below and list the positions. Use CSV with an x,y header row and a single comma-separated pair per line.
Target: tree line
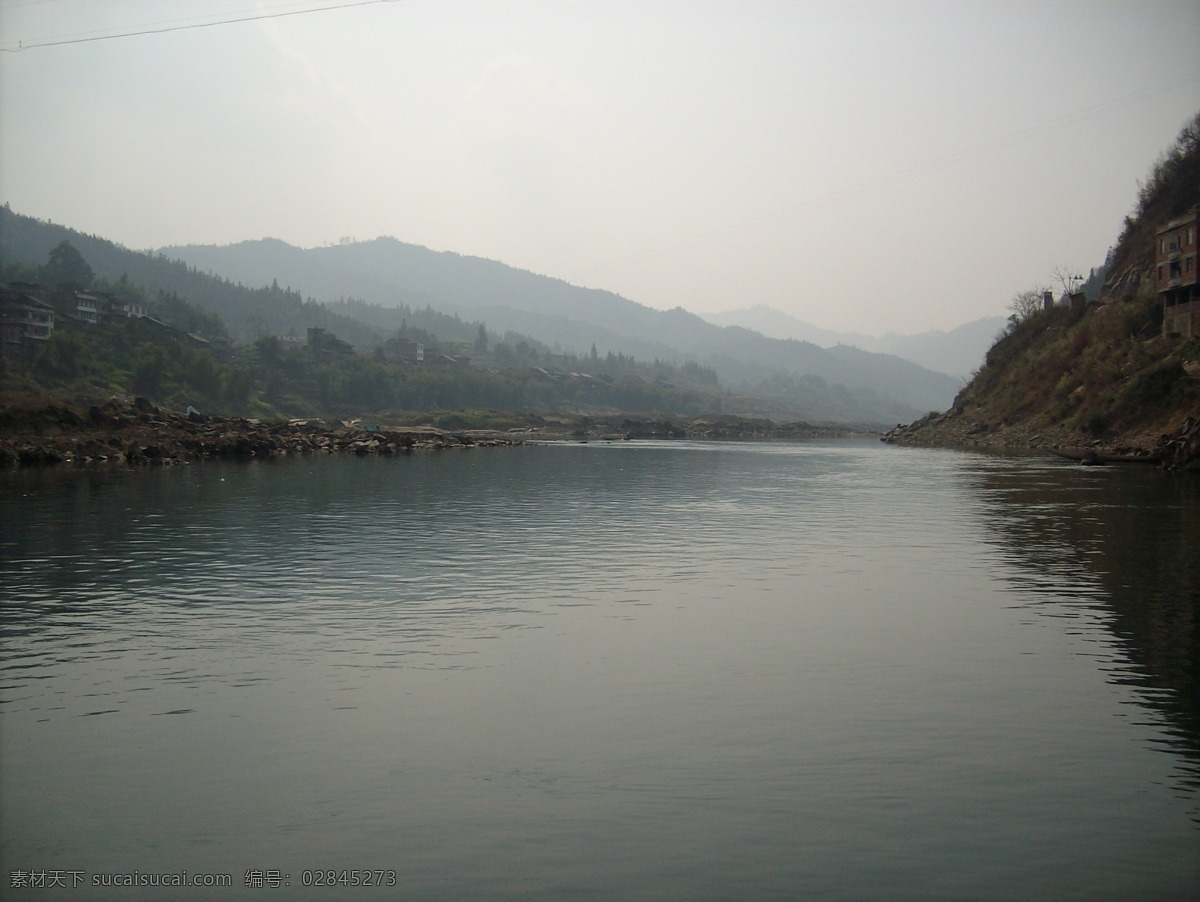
x,y
194,363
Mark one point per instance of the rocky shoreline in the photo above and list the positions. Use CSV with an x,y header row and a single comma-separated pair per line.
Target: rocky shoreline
x,y
1178,450
710,427
134,432
138,433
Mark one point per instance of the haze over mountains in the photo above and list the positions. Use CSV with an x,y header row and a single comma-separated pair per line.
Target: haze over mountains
x,y
958,352
389,273
364,291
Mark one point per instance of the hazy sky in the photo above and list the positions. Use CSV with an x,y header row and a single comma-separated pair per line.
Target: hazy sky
x,y
861,165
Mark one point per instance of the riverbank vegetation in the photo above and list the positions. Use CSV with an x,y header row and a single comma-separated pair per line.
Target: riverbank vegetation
x,y
305,359
274,377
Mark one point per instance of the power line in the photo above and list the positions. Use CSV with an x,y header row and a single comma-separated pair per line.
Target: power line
x,y
19,4
21,45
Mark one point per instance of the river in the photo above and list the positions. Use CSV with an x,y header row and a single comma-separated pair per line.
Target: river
x,y
827,669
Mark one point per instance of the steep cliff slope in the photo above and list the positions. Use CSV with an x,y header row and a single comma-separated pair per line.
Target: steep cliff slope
x,y
1099,375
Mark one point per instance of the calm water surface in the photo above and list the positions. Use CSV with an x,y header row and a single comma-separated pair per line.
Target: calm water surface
x,y
685,670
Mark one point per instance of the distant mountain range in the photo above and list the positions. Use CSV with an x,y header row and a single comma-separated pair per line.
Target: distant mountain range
x,y
389,273
958,352
363,291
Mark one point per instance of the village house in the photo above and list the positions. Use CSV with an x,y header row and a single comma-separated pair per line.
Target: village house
x,y
448,360
322,343
169,331
404,349
1175,275
24,316
96,306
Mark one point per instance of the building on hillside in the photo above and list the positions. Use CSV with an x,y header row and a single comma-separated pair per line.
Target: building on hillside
x,y
404,349
1175,275
24,317
166,330
324,343
35,289
87,306
97,306
447,360
119,309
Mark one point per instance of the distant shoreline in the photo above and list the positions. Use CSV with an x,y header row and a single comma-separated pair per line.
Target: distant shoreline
x,y
138,433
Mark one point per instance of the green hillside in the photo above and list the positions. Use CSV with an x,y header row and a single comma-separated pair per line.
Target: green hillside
x,y
247,350
388,273
178,350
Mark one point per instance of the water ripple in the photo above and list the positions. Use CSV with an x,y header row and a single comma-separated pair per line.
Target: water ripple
x,y
764,638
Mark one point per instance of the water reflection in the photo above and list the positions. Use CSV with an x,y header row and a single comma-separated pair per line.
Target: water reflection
x,y
1132,533
838,669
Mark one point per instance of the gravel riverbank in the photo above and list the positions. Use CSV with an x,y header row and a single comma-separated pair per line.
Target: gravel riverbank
x,y
138,433
1175,450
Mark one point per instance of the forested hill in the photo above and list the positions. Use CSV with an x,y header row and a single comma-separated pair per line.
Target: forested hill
x,y
248,312
1105,372
400,283
388,272
245,350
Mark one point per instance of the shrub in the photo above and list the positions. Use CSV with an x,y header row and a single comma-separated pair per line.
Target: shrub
x,y
1097,424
